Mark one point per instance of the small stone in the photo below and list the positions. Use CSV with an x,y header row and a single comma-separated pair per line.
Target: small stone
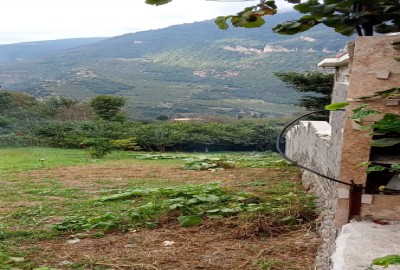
x,y
17,259
168,243
73,241
130,246
65,262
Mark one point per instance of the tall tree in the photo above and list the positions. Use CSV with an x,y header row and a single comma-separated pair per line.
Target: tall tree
x,y
318,85
108,107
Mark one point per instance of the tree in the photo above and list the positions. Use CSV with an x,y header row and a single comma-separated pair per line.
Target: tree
x,y
346,17
312,83
108,107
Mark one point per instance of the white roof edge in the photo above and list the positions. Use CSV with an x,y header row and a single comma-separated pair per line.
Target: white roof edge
x,y
334,61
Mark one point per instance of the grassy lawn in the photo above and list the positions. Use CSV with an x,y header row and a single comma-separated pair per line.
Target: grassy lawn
x,y
136,210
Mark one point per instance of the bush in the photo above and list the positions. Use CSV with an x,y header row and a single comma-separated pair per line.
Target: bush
x,y
126,144
97,147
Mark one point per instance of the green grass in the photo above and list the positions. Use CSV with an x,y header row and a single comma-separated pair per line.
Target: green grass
x,y
50,208
30,158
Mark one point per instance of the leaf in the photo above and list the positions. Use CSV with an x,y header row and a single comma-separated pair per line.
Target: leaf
x,y
363,111
157,2
375,168
228,210
294,27
105,226
387,260
221,22
213,210
345,29
175,206
212,198
336,106
385,142
303,7
395,167
247,22
388,92
365,163
188,221
389,123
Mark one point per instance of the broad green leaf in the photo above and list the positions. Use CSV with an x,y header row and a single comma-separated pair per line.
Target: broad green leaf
x,y
336,106
388,92
365,163
395,167
228,210
273,5
303,7
390,123
175,206
221,22
387,260
345,29
106,225
375,168
328,9
363,111
294,27
213,210
157,2
265,11
247,22
188,221
385,142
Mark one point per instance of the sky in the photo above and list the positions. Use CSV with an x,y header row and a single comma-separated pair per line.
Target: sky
x,y
33,20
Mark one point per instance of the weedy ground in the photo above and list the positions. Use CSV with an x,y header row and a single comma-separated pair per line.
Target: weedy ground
x,y
60,209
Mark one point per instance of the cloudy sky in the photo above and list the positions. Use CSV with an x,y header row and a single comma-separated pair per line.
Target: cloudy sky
x,y
30,20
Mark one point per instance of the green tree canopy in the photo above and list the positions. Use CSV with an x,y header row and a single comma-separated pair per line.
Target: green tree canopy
x,y
108,107
346,17
311,83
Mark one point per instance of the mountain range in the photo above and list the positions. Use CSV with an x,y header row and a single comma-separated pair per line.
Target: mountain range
x,y
183,70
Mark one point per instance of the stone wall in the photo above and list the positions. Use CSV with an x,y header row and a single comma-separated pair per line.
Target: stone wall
x,y
310,144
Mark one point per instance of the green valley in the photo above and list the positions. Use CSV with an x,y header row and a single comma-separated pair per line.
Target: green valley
x,y
180,71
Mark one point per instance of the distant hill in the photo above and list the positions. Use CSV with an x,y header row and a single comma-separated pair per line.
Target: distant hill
x,y
28,50
183,70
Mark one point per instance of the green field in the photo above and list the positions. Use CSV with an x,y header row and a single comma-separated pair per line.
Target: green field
x,y
60,209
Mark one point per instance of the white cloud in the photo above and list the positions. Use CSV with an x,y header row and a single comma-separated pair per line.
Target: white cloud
x,y
26,20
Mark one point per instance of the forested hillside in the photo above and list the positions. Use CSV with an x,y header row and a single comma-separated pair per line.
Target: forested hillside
x,y
184,70
28,50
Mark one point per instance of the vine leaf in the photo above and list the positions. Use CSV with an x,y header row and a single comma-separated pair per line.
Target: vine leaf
x,y
157,2
385,142
389,123
188,221
387,260
336,106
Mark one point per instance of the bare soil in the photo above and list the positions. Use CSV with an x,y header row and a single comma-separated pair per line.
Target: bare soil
x,y
216,244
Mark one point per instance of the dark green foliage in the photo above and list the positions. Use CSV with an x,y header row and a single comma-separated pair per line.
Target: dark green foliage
x,y
162,117
128,144
19,112
385,261
101,134
108,107
193,203
97,147
311,83
239,135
